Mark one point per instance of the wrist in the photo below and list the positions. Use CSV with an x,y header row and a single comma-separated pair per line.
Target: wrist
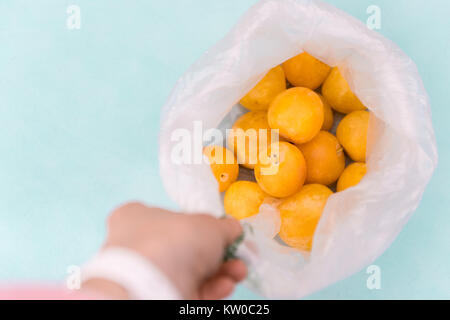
x,y
127,274
105,289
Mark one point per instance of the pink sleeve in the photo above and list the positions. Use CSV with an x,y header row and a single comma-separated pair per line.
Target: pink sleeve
x,y
43,292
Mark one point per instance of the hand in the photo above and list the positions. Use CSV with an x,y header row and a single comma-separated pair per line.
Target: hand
x,y
188,249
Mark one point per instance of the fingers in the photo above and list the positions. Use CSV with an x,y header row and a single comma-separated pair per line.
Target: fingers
x,y
217,288
228,229
235,269
223,283
231,230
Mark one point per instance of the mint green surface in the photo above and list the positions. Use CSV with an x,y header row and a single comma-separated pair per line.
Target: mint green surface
x,y
79,120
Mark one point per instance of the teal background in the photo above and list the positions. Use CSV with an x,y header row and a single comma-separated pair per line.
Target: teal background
x,y
79,118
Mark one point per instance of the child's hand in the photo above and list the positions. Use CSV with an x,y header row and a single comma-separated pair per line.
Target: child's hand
x,y
189,249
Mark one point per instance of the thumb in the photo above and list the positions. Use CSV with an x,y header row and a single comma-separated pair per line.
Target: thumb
x,y
231,230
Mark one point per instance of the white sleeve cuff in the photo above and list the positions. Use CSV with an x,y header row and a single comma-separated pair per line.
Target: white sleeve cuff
x,y
136,274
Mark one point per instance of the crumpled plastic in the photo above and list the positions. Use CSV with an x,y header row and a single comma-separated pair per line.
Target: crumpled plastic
x,y
357,225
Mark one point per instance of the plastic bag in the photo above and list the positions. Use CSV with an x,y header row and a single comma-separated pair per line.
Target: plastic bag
x,y
357,225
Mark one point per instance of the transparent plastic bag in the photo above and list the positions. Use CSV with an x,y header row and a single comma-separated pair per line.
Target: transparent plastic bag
x,y
357,225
